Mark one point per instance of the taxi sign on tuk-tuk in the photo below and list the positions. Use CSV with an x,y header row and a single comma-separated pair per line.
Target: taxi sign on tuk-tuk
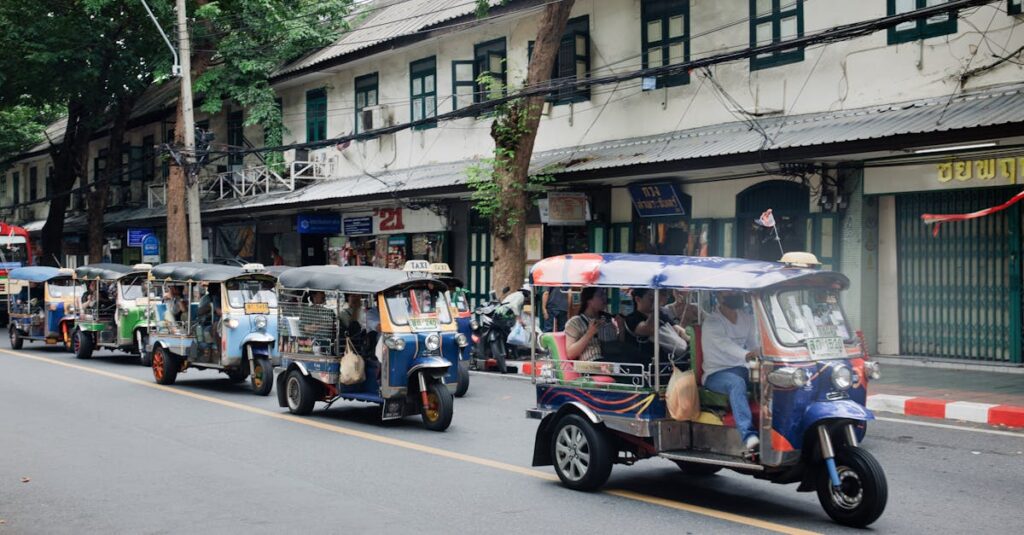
x,y
440,268
417,266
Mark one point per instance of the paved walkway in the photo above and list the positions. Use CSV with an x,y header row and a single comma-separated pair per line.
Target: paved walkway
x,y
951,385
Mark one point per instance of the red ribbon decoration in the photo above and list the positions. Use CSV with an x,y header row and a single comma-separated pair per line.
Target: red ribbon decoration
x,y
938,219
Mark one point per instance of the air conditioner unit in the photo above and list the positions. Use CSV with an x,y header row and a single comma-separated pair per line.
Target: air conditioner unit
x,y
374,117
296,155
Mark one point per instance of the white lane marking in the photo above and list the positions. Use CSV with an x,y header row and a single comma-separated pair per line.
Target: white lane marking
x,y
948,426
968,411
888,403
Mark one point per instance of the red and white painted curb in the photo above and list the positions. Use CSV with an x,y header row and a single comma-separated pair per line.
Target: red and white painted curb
x,y
966,411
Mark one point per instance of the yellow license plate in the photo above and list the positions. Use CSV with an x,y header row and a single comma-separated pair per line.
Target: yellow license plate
x,y
257,308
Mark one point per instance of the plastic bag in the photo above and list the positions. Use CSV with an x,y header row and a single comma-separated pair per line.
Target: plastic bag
x,y
519,336
681,396
353,369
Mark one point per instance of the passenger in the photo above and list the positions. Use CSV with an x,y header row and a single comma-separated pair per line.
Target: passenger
x,y
209,312
640,329
586,332
352,313
556,308
681,311
728,342
177,306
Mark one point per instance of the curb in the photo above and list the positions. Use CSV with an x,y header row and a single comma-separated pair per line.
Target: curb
x,y
985,413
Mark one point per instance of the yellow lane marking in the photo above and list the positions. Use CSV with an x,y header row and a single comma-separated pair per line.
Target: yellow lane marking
x,y
480,461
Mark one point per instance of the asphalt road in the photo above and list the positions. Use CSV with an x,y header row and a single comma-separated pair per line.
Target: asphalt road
x,y
96,447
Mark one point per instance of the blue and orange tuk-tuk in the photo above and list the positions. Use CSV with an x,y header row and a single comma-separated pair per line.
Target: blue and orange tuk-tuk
x,y
41,305
399,323
211,316
458,297
808,380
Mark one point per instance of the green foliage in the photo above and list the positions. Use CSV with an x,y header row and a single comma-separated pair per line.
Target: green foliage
x,y
21,127
488,194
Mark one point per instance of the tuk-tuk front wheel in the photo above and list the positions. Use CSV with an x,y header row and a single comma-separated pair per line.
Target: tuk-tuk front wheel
x,y
83,344
65,336
165,366
16,340
437,412
862,493
581,452
300,393
262,376
463,385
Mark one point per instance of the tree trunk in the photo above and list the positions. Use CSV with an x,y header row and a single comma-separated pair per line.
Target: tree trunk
x,y
68,165
177,220
513,153
101,188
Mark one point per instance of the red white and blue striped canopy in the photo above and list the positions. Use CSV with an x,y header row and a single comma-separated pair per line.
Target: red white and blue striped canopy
x,y
619,270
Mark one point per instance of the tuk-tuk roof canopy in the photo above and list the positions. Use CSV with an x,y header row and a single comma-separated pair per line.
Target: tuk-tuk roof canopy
x,y
36,273
347,279
619,270
278,270
195,271
102,271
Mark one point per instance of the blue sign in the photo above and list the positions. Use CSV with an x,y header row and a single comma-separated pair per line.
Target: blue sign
x,y
659,200
135,236
150,245
358,226
319,223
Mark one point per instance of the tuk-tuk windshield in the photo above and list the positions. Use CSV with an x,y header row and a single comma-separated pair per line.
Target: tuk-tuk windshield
x,y
131,291
799,315
64,288
417,306
460,300
242,291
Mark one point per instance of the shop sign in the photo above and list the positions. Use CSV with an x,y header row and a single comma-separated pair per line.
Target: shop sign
x,y
150,249
358,226
397,220
319,223
950,174
135,236
1004,170
567,208
657,200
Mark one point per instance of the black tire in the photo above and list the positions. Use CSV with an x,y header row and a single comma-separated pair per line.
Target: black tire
x,y
863,490
498,353
698,469
69,344
83,344
463,385
165,366
300,393
239,374
16,340
438,415
262,378
141,340
581,453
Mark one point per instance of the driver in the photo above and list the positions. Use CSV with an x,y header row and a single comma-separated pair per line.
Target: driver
x,y
92,297
728,341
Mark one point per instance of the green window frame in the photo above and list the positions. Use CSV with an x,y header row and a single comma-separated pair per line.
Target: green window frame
x,y
33,183
1013,7
463,83
16,187
665,39
316,115
3,189
236,137
148,158
774,21
915,30
367,94
490,58
99,164
48,181
572,62
423,91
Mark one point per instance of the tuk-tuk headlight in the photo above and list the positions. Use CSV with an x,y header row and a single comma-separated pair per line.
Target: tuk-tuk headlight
x,y
461,340
232,323
842,377
473,324
261,322
394,343
788,377
53,307
873,370
433,342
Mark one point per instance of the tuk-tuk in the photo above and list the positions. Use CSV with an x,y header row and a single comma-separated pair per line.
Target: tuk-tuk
x,y
211,316
807,377
458,298
41,305
399,323
111,309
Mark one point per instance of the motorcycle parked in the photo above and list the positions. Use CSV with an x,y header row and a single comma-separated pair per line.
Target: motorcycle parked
x,y
494,322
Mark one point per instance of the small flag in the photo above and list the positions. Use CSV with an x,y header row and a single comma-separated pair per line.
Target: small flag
x,y
766,220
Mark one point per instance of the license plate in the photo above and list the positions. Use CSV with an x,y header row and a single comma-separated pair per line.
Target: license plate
x,y
392,409
257,308
826,348
423,324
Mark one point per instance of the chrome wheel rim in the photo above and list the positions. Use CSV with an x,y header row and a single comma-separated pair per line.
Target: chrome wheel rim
x,y
292,392
572,452
850,493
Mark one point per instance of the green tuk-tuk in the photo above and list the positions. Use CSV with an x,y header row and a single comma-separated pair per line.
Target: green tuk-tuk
x,y
112,310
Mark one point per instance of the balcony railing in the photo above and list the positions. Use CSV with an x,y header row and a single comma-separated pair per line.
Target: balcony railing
x,y
252,181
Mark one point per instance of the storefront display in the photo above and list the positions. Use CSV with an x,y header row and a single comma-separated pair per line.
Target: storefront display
x,y
388,237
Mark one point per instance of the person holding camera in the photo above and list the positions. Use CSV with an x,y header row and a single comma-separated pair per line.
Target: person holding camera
x,y
586,332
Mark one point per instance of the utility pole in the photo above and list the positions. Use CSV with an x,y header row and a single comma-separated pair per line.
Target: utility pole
x,y
195,233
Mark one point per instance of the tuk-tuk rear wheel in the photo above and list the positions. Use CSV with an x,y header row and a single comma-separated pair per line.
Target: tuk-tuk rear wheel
x,y
83,344
437,414
262,376
16,341
463,384
581,453
862,493
165,366
299,393
66,337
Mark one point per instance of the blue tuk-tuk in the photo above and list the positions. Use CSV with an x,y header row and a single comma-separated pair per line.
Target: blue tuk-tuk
x,y
41,305
211,316
458,298
807,378
399,323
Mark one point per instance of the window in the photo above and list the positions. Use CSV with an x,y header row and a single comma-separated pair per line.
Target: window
x,y
33,183
366,96
148,159
236,138
489,59
99,164
48,181
572,61
316,115
423,90
665,36
923,28
1013,7
16,187
3,189
463,83
774,21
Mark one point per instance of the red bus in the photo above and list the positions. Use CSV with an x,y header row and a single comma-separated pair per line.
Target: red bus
x,y
15,251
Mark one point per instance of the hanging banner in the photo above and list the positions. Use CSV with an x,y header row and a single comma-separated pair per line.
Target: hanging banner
x,y
318,223
657,200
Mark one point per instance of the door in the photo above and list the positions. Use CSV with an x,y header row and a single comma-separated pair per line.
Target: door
x,y
790,204
314,252
479,264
